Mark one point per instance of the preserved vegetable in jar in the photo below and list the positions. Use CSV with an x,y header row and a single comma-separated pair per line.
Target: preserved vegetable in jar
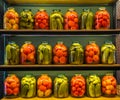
x,y
60,53
92,53
102,19
26,19
44,86
76,53
56,20
61,86
28,86
27,51
109,85
108,53
78,84
12,53
44,53
41,19
86,19
71,20
11,19
11,86
93,86
118,90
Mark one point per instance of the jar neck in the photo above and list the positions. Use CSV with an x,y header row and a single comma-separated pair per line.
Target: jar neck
x,y
71,9
102,8
9,75
56,10
12,42
28,42
60,42
44,74
28,76
78,75
109,74
10,8
90,42
42,10
76,43
108,42
45,43
86,10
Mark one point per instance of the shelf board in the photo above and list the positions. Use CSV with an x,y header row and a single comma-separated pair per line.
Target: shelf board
x,y
69,98
61,1
62,67
60,32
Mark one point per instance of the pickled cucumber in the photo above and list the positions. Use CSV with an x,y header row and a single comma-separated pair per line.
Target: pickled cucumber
x,y
61,86
12,54
44,53
108,53
76,53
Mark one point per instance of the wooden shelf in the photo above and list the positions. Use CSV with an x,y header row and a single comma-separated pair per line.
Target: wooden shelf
x,y
61,32
61,1
69,98
62,67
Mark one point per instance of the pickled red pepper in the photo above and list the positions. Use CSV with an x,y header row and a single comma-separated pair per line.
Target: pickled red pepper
x,y
109,85
71,20
78,86
11,19
11,86
27,53
60,53
102,19
92,53
41,20
44,86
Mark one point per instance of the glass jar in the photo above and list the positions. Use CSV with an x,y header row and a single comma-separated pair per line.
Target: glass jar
x,y
108,53
78,85
60,53
28,86
102,19
56,20
76,55
27,53
44,86
117,74
12,53
11,19
11,86
109,85
61,86
92,53
44,53
41,19
93,86
26,19
71,20
86,19
118,90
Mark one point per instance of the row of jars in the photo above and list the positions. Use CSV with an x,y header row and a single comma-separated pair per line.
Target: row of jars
x,y
59,54
93,86
56,20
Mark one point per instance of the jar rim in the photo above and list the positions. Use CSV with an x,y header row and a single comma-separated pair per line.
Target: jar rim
x,y
28,42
